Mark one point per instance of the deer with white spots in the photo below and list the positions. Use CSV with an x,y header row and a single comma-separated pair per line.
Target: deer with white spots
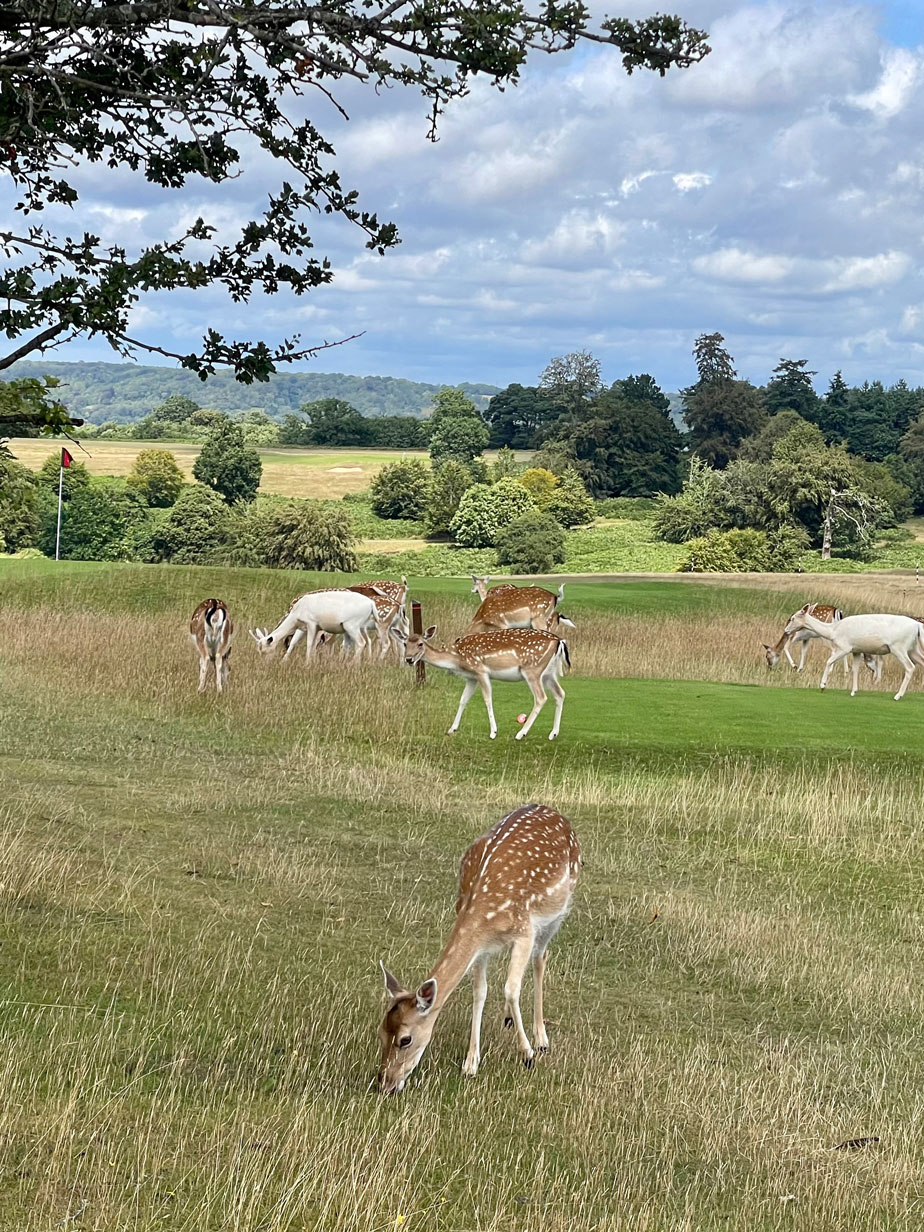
x,y
210,630
514,607
873,634
504,654
515,888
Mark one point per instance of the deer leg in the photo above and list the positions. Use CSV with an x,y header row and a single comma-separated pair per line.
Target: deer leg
x,y
519,957
905,660
296,637
225,670
836,657
467,693
539,700
479,996
803,647
856,671
554,686
539,1032
485,682
203,671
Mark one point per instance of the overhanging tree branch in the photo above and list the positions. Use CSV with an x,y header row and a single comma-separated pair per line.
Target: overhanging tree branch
x,y
165,88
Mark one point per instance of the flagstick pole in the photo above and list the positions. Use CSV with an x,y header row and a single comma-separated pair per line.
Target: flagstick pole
x,y
60,491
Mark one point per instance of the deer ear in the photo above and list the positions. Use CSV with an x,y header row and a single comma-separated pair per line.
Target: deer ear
x,y
429,633
765,646
807,608
426,995
393,986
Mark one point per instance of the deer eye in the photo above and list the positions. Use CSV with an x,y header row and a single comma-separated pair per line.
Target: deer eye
x,y
404,1041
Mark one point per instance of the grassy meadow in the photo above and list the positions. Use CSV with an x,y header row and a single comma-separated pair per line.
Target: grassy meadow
x,y
324,474
195,893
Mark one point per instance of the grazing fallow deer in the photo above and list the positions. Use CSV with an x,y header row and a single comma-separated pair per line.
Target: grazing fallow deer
x,y
480,586
830,615
516,607
872,634
515,888
823,611
210,630
503,654
390,599
325,611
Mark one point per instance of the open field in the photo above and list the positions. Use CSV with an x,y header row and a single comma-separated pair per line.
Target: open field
x,y
320,473
196,891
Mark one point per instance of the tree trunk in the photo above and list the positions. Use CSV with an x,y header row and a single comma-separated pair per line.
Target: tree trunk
x,y
829,528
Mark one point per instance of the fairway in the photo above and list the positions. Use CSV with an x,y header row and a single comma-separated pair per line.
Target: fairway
x,y
319,473
196,893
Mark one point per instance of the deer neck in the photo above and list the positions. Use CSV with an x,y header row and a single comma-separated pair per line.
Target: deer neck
x,y
817,626
448,659
461,950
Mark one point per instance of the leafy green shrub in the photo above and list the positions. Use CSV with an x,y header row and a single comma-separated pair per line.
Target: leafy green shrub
x,y
227,465
306,535
534,543
446,489
540,484
401,489
459,439
785,547
505,465
197,529
156,478
19,506
103,521
76,477
570,503
699,508
485,510
732,551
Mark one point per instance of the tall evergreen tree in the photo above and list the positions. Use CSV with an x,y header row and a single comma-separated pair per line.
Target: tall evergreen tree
x,y
719,410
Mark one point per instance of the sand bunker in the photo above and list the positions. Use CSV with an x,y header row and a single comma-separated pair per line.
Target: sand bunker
x,y
345,470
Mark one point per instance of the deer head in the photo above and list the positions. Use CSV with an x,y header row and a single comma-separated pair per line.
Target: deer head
x,y
797,619
405,1031
772,657
416,645
264,640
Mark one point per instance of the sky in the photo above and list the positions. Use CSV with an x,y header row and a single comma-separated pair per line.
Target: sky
x,y
773,193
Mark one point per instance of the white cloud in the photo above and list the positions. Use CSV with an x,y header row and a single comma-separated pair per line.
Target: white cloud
x,y
860,273
737,265
901,74
686,181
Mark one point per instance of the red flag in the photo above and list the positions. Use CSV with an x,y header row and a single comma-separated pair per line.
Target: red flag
x,y
66,458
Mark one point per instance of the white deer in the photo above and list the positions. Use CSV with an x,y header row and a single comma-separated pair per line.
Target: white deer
x,y
210,630
515,888
506,654
874,634
324,611
830,615
515,607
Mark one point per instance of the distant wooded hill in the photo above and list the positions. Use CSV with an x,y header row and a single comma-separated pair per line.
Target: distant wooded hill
x,y
127,392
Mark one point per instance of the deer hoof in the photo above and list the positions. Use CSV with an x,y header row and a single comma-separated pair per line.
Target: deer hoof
x,y
552,735
508,1023
543,1048
529,1062
520,735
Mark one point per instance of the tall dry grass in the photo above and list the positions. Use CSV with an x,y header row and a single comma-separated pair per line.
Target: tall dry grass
x,y
194,894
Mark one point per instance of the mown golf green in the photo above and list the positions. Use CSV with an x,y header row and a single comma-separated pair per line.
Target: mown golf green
x,y
196,892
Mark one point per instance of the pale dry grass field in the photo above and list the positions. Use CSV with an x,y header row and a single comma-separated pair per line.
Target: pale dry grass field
x,y
323,474
195,892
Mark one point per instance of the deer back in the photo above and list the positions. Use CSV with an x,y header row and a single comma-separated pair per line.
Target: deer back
x,y
526,866
512,606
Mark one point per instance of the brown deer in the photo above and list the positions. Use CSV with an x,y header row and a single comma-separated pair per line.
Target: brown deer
x,y
823,611
515,888
503,654
210,631
516,607
480,585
